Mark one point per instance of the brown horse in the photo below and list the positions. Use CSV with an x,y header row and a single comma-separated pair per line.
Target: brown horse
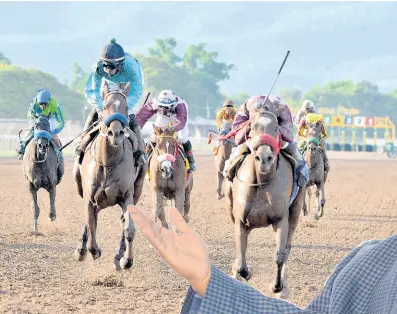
x,y
168,176
43,166
315,162
107,176
261,195
222,153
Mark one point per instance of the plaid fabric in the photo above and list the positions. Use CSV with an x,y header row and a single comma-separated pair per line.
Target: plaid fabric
x,y
364,282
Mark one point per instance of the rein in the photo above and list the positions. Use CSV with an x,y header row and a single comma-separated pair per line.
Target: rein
x,y
37,155
92,152
115,116
155,149
260,183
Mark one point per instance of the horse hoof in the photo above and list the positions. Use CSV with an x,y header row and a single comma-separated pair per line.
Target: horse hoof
x,y
80,255
95,253
36,234
277,289
247,275
52,217
126,263
316,217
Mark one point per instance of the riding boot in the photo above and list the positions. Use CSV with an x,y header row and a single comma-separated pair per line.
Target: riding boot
x,y
231,163
302,174
23,144
139,155
326,162
92,117
189,152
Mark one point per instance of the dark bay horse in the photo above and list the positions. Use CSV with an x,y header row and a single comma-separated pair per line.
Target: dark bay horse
x,y
43,167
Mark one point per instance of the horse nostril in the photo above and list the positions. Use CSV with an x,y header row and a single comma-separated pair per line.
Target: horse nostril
x,y
110,133
257,158
162,169
269,158
122,133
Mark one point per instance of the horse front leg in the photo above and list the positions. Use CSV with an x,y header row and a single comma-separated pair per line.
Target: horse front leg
x,y
139,182
127,258
158,199
240,268
180,202
281,253
52,215
320,200
188,192
304,206
220,193
35,208
81,251
92,221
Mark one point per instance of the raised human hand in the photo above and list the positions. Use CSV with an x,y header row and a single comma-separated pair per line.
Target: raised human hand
x,y
185,252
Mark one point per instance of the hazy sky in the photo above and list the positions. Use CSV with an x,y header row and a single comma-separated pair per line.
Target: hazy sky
x,y
328,40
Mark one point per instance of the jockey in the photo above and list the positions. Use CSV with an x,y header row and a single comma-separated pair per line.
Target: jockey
x,y
283,114
44,104
307,107
171,111
302,135
116,66
226,114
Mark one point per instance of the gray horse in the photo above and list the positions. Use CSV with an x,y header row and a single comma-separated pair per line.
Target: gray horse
x,y
222,152
315,162
107,176
263,194
43,167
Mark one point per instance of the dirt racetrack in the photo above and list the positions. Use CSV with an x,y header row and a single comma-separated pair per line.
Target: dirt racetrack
x,y
39,274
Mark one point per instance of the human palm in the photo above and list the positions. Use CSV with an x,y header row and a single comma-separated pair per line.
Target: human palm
x,y
185,252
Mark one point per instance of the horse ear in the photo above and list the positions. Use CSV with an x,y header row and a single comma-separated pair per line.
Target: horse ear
x,y
126,89
105,89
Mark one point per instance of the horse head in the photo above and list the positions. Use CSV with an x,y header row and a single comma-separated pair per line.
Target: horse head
x,y
166,150
313,135
265,140
42,135
115,118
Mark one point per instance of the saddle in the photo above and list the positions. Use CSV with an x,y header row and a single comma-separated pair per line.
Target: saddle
x,y
180,151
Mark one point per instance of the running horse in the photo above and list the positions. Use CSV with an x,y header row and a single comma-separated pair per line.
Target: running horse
x,y
263,193
107,176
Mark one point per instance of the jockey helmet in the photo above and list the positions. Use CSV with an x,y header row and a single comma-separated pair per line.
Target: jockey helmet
x,y
228,103
307,104
43,96
112,54
166,98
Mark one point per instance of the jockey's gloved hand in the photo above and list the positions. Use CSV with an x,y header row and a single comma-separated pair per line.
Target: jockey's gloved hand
x,y
224,132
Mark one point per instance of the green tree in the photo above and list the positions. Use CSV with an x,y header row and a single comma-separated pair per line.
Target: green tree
x,y
79,78
3,59
195,76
